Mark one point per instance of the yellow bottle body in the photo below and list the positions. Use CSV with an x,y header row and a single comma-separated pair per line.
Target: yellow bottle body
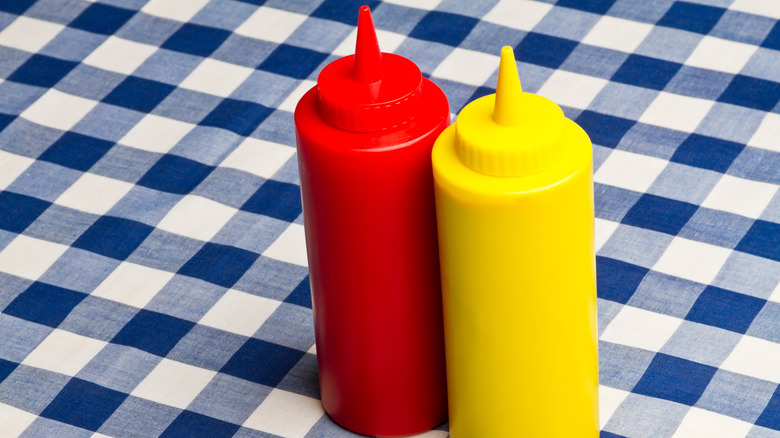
x,y
519,294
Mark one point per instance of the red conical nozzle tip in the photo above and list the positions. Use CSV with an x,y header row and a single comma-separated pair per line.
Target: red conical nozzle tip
x,y
368,58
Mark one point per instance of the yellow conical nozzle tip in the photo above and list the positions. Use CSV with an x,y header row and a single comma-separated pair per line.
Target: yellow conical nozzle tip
x,y
507,108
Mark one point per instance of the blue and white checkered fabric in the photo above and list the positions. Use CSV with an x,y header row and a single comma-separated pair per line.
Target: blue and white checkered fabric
x,y
153,274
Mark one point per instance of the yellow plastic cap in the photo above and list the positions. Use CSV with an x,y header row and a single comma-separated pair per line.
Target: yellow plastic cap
x,y
510,133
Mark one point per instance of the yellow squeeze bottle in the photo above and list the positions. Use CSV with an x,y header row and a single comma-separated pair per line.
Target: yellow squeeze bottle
x,y
514,205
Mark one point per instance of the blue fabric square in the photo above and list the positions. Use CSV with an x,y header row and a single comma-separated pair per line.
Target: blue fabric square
x,y
84,404
189,424
544,50
702,83
763,240
76,151
344,11
219,264
444,27
17,212
752,93
113,237
5,120
617,280
692,17
237,116
603,129
45,304
675,379
770,418
139,94
196,39
292,61
262,362
42,71
479,92
659,214
153,332
17,6
101,18
605,434
6,368
301,295
175,175
276,199
646,72
725,309
772,41
707,152
595,6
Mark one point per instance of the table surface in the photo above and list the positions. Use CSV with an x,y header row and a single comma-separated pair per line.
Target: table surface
x,y
153,275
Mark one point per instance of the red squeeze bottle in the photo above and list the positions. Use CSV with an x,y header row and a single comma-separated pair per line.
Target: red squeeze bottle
x,y
365,135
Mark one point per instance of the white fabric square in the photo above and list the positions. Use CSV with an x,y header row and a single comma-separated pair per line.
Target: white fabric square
x,y
740,196
673,111
640,328
702,423
156,134
59,110
94,193
618,34
119,55
629,170
775,294
173,383
197,217
290,246
767,8
258,157
291,101
572,89
216,77
518,14
285,414
604,230
419,4
692,260
388,42
13,421
180,10
132,284
28,257
755,357
11,166
431,434
29,34
767,136
721,55
270,24
64,352
467,66
609,400
239,312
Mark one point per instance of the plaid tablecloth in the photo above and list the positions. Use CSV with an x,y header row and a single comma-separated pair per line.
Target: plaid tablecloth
x,y
153,274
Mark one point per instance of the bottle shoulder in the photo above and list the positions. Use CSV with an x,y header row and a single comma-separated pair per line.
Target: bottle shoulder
x,y
451,174
432,117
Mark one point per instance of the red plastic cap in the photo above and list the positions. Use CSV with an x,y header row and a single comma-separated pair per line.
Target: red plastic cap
x,y
370,90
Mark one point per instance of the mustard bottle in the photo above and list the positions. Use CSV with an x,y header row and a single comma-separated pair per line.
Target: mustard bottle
x,y
514,205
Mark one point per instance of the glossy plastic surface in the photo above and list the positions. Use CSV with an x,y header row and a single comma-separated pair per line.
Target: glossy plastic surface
x,y
518,268
370,228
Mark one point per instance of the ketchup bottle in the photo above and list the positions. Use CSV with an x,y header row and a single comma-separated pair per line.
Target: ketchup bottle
x,y
364,136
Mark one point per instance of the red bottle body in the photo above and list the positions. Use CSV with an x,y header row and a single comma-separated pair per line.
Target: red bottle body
x,y
370,226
